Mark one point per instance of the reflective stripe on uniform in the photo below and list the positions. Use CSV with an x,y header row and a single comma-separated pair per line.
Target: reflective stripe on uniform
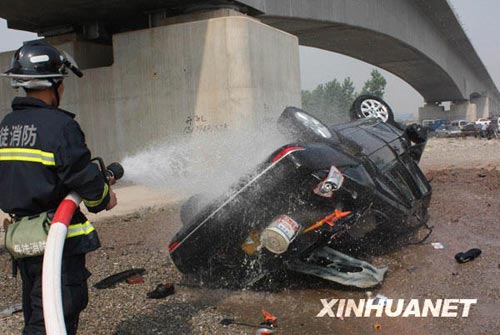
x,y
27,155
95,203
79,229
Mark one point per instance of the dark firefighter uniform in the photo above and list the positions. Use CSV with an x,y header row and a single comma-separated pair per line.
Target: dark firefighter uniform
x,y
43,156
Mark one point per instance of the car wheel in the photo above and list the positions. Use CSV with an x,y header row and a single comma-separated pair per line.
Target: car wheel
x,y
303,126
367,106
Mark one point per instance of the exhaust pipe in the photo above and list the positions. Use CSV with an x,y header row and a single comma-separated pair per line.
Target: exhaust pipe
x,y
51,273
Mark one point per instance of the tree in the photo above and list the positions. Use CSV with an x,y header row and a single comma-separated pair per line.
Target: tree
x,y
348,92
375,85
331,101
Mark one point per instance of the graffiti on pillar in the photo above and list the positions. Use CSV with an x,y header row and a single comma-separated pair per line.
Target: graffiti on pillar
x,y
190,120
267,117
267,110
201,124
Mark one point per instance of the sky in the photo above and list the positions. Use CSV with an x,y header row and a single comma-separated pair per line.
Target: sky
x,y
479,18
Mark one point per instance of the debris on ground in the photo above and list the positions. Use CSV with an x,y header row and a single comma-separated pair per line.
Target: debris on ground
x,y
411,269
230,321
162,291
112,280
464,257
380,299
7,311
437,245
227,322
135,279
267,326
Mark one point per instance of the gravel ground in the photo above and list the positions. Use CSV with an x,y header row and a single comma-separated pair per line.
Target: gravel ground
x,y
466,180
469,152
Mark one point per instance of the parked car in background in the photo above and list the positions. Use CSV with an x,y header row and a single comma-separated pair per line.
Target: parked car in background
x,y
448,131
432,125
471,129
483,121
428,125
458,123
440,122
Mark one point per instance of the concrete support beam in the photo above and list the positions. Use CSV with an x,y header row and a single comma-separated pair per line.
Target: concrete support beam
x,y
199,16
464,110
483,106
431,111
87,54
179,80
495,107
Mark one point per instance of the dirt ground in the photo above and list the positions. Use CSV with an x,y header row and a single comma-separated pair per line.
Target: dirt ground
x,y
464,212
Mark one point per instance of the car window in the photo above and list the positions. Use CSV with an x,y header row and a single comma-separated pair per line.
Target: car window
x,y
416,175
367,142
401,182
384,158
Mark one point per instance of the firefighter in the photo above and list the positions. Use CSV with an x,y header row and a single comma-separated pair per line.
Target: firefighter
x,y
44,156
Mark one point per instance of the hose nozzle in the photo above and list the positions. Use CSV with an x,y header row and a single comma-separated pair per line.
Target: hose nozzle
x,y
115,170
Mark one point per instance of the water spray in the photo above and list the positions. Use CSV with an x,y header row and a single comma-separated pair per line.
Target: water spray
x,y
207,163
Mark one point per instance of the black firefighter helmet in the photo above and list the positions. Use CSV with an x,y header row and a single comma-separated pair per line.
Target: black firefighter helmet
x,y
38,65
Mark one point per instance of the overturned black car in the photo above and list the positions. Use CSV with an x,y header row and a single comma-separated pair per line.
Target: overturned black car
x,y
345,182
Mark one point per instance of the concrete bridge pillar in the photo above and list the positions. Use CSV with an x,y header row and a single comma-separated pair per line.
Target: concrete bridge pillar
x,y
483,106
431,111
463,110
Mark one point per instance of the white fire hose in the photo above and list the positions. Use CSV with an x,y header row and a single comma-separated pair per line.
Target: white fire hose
x,y
53,312
52,261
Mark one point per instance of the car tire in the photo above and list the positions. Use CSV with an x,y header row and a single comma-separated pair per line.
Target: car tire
x,y
366,106
302,126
